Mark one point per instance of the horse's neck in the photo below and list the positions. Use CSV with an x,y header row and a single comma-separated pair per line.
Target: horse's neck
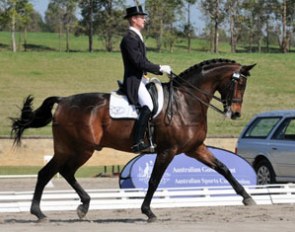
x,y
192,101
202,89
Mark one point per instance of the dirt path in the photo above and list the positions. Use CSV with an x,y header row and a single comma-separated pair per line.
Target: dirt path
x,y
270,218
230,219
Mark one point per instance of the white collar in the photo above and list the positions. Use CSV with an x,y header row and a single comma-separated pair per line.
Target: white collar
x,y
137,32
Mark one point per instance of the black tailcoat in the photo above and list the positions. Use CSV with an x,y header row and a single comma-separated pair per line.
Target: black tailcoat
x,y
135,64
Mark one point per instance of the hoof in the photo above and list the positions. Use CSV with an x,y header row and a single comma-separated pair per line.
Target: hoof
x,y
42,220
81,211
38,213
152,219
151,216
249,202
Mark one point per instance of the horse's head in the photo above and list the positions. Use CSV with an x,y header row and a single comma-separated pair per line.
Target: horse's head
x,y
225,76
232,90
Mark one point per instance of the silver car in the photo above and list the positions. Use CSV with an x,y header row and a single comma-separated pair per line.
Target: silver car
x,y
268,144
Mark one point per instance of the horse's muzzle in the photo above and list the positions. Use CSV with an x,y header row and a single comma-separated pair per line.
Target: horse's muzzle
x,y
235,115
232,115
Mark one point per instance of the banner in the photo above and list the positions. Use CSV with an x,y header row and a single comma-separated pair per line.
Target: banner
x,y
184,171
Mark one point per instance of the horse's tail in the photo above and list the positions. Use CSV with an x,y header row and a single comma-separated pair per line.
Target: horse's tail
x,y
32,119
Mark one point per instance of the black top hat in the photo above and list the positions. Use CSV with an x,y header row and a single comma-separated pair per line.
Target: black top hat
x,y
132,11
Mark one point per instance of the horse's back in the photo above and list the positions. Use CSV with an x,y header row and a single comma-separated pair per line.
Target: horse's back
x,y
79,114
85,100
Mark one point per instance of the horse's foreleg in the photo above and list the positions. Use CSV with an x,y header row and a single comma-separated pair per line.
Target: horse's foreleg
x,y
223,170
44,176
162,162
82,209
206,157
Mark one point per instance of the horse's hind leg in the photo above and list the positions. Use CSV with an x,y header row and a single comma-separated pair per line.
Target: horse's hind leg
x,y
206,157
44,176
85,198
68,171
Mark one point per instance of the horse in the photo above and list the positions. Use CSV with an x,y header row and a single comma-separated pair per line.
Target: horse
x,y
82,124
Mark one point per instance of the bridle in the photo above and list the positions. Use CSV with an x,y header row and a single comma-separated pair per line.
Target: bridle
x,y
227,102
231,93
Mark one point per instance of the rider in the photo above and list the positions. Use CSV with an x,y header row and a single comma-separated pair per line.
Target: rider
x,y
136,65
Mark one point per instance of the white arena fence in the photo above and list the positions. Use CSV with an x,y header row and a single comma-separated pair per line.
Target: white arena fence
x,y
60,200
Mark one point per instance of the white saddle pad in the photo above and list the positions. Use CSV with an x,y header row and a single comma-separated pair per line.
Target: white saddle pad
x,y
120,107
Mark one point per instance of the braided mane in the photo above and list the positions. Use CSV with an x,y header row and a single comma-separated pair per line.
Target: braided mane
x,y
205,65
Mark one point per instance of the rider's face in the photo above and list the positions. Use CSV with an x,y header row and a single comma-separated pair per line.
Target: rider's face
x,y
138,21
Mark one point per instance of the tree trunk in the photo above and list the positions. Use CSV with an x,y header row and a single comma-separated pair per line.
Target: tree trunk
x,y
13,42
216,35
232,34
267,35
284,45
67,38
189,28
159,40
260,44
25,39
109,42
59,36
90,35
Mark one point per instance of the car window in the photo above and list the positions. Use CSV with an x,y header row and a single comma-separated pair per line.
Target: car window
x,y
261,127
286,130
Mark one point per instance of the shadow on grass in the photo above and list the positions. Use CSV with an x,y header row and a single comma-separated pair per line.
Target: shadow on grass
x,y
35,47
4,46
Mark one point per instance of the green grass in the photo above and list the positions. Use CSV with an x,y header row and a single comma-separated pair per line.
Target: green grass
x,y
48,73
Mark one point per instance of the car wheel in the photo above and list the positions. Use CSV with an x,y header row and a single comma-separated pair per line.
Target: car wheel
x,y
265,173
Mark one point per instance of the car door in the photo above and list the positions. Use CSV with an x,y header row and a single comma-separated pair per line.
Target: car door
x,y
282,148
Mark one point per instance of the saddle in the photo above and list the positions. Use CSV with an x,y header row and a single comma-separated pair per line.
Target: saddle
x,y
121,108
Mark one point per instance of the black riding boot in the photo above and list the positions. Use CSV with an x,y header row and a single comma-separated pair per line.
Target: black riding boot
x,y
139,130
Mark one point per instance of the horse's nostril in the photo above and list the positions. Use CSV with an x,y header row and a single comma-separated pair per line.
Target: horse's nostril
x,y
235,115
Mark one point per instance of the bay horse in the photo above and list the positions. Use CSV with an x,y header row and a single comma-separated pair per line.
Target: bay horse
x,y
82,124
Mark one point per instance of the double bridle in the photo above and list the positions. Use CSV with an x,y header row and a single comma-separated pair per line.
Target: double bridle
x,y
227,102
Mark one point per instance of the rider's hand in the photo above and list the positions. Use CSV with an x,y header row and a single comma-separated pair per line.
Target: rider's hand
x,y
165,69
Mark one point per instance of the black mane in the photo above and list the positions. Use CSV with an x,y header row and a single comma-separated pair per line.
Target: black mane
x,y
205,65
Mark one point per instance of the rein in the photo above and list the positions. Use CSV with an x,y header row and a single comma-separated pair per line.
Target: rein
x,y
172,79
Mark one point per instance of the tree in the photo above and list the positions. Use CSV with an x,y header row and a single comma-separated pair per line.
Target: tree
x,y
25,19
69,18
60,16
215,10
162,15
109,21
232,8
188,28
251,24
104,18
286,13
13,13
36,22
89,10
255,22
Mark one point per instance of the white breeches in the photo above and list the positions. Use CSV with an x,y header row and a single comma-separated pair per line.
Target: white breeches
x,y
144,98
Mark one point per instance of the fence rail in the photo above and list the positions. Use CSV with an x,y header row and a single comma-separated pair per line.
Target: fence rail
x,y
58,200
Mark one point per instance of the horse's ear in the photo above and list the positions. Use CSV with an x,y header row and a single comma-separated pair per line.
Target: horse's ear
x,y
245,70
